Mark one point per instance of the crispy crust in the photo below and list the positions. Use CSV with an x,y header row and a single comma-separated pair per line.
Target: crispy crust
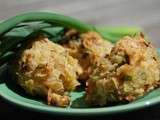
x,y
46,69
87,48
130,71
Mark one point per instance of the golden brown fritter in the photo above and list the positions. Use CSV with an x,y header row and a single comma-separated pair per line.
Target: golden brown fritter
x,y
46,69
87,48
130,71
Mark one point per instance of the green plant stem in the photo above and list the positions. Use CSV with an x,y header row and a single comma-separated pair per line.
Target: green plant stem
x,y
113,34
46,17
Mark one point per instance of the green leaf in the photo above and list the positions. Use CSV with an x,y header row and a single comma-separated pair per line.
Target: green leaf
x,y
6,57
55,34
17,35
61,20
27,28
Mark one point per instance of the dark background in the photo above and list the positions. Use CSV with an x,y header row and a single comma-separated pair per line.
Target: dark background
x,y
143,13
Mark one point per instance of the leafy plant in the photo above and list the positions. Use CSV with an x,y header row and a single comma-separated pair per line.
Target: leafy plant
x,y
16,30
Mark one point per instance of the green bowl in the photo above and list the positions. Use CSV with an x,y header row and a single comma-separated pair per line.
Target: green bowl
x,y
13,94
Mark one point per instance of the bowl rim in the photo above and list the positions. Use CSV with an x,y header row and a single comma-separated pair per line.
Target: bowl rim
x,y
76,111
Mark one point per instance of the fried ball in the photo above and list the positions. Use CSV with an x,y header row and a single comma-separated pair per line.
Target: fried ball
x,y
46,69
87,48
130,71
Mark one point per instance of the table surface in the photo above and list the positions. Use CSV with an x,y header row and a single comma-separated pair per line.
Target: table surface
x,y
143,13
